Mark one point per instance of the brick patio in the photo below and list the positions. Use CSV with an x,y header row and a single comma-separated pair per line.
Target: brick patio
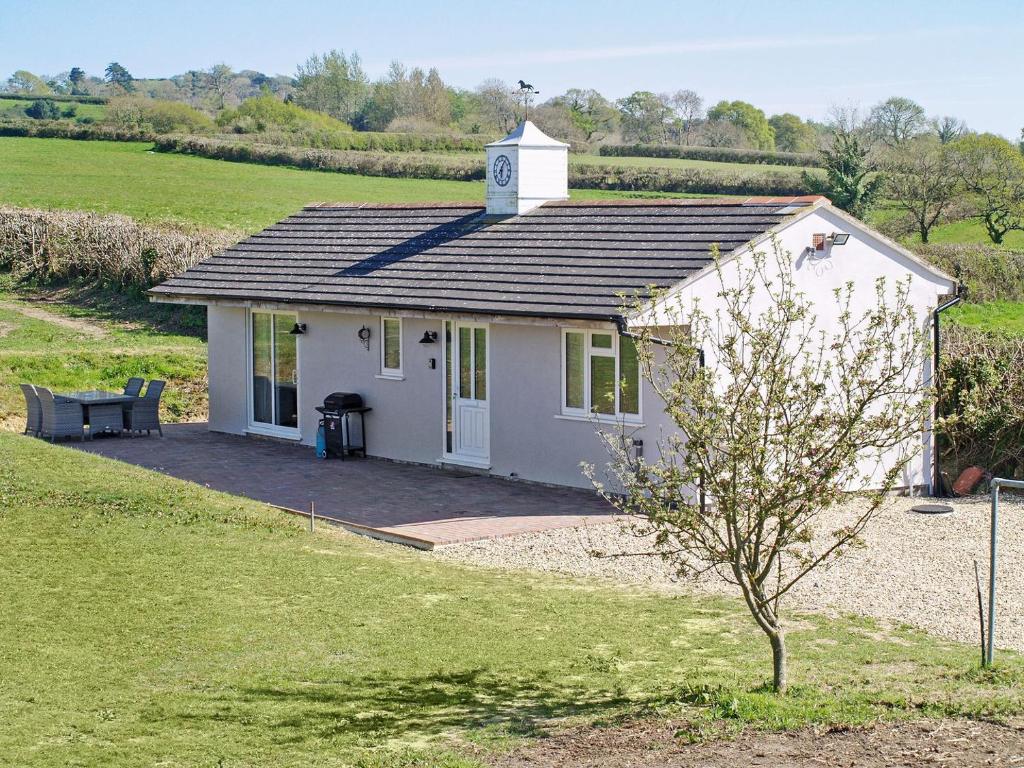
x,y
412,504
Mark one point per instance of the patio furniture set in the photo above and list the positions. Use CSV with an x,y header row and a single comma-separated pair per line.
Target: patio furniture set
x,y
67,415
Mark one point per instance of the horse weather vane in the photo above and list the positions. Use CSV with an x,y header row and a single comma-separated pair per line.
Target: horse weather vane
x,y
526,93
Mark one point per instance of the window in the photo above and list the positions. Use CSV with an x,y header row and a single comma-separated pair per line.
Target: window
x,y
600,374
391,346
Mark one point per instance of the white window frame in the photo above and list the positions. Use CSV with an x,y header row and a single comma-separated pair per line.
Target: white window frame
x,y
589,350
385,372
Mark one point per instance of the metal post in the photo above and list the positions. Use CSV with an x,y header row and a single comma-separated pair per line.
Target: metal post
x,y
312,516
990,651
996,484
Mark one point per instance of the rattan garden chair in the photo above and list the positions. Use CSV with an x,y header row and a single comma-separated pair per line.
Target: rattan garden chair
x,y
134,386
33,410
61,418
144,413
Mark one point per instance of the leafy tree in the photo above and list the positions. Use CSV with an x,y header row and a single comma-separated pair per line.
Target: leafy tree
x,y
77,79
992,170
643,115
748,119
850,182
43,109
923,181
119,76
687,111
948,128
24,81
590,112
267,112
792,134
333,83
784,421
896,120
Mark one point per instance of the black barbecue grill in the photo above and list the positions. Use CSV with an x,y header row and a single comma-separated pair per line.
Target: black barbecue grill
x,y
338,437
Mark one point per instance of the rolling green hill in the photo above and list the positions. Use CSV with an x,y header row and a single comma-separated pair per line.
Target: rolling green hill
x,y
125,177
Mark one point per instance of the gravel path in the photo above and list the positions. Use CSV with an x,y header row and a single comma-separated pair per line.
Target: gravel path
x,y
915,569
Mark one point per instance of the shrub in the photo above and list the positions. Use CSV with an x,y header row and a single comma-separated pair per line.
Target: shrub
x,y
713,154
176,116
267,112
981,401
43,109
990,274
58,245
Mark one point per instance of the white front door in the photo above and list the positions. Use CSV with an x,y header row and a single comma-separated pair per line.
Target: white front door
x,y
468,413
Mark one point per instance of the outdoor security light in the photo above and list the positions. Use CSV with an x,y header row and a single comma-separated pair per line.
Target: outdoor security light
x,y
298,329
429,337
839,238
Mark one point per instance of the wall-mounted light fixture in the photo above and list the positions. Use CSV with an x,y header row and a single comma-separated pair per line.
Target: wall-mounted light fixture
x,y
429,337
838,238
364,336
298,329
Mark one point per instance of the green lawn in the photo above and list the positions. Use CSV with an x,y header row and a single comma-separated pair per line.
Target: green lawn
x,y
15,108
126,177
146,621
973,231
102,355
1001,316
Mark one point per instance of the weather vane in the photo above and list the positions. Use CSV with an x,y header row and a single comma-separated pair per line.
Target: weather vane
x,y
527,92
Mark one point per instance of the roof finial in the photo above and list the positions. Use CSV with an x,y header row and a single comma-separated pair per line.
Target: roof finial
x,y
526,93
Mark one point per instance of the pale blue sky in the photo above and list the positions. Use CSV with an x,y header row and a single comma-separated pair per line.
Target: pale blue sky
x,y
962,58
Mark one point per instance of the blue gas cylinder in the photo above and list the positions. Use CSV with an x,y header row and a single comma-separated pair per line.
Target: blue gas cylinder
x,y
321,442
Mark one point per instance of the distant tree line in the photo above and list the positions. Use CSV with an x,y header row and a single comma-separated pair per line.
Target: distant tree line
x,y
930,169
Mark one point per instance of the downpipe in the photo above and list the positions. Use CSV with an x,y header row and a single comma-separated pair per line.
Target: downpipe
x,y
937,489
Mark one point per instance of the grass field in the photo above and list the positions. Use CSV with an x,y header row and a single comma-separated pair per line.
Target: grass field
x,y
676,162
123,177
15,108
148,621
1001,316
67,344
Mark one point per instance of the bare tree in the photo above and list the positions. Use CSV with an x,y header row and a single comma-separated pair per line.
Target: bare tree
x,y
896,120
687,109
922,180
948,128
781,425
498,104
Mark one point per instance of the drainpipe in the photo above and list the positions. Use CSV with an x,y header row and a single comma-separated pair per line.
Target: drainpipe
x,y
937,489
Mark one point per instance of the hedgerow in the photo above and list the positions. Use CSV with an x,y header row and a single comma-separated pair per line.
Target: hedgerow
x,y
45,246
410,165
64,129
79,99
989,274
713,154
981,401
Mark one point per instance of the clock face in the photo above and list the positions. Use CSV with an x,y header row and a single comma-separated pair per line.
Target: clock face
x,y
502,170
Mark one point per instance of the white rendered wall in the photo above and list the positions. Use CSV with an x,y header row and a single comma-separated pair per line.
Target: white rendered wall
x,y
861,261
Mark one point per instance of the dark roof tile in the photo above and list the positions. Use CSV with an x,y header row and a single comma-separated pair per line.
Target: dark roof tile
x,y
565,259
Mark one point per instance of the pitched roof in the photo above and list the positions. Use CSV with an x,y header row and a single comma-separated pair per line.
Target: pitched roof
x,y
563,259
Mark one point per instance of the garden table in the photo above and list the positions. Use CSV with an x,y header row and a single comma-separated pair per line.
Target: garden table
x,y
104,411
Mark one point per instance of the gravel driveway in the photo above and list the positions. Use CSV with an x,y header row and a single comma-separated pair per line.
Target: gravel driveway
x,y
915,569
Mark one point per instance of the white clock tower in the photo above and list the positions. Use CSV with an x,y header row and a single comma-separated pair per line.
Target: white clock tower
x,y
524,170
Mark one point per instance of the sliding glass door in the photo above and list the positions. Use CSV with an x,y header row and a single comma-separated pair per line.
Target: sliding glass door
x,y
275,372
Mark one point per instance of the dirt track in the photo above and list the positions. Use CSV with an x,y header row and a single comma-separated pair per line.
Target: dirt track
x,y
960,743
